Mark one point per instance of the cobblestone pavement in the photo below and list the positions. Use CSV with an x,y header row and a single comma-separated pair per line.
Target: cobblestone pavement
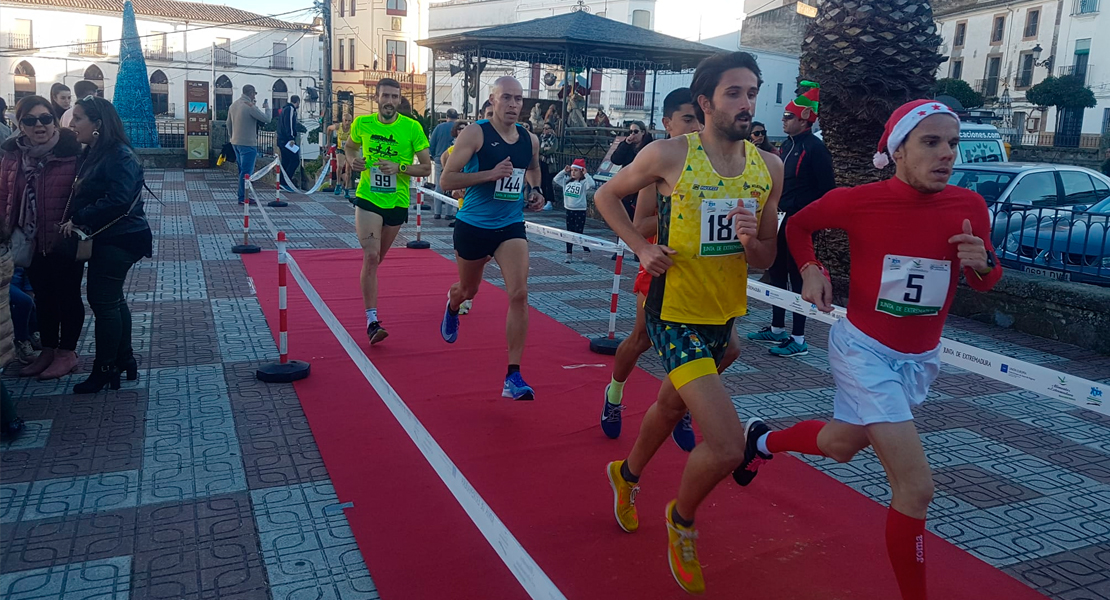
x,y
199,482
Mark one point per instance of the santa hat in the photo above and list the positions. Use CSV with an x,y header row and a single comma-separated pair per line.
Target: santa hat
x,y
578,164
805,106
902,122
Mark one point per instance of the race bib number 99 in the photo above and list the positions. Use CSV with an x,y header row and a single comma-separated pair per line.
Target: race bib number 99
x,y
510,188
380,183
913,287
718,236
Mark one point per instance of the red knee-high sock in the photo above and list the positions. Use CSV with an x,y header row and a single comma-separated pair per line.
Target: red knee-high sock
x,y
905,544
799,438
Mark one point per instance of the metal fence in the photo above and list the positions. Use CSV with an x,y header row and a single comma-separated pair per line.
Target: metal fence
x,y
1057,243
1048,138
171,134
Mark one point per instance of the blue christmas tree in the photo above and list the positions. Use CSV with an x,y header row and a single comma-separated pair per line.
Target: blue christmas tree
x,y
132,97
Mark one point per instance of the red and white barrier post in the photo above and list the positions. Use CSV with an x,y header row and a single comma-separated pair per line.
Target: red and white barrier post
x,y
608,344
285,370
246,247
277,202
419,244
334,168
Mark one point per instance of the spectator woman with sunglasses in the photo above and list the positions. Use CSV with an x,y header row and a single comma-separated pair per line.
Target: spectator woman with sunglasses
x,y
758,136
107,205
37,170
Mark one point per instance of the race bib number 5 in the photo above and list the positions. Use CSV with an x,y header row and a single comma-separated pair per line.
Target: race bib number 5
x,y
380,183
510,188
718,236
913,287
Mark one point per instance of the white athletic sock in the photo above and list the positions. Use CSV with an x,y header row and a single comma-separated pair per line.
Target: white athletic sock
x,y
371,315
800,339
777,329
761,443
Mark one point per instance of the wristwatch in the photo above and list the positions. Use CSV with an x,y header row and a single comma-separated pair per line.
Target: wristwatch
x,y
404,168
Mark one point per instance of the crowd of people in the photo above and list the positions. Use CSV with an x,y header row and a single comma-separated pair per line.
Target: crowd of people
x,y
70,196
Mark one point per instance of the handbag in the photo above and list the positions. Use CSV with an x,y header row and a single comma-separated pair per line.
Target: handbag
x,y
80,244
23,248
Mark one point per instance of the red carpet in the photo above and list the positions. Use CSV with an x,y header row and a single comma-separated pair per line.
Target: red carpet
x,y
796,533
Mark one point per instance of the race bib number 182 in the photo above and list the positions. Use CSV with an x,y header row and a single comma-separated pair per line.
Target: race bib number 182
x,y
718,236
913,287
510,188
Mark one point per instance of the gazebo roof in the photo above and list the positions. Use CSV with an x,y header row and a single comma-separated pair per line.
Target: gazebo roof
x,y
591,41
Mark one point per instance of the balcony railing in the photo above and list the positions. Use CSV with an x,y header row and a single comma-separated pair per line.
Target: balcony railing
x,y
1084,7
1048,138
19,41
158,54
988,87
88,47
283,63
1081,71
225,58
169,112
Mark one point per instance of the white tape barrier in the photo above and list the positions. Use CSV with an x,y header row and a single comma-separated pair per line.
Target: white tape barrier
x,y
316,187
535,582
265,170
1077,391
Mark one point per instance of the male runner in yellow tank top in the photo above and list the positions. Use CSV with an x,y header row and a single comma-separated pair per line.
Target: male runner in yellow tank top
x,y
718,215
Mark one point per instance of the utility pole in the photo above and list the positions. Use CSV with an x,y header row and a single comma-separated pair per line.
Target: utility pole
x,y
325,7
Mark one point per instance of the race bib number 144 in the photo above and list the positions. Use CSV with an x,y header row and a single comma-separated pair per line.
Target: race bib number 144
x,y
913,287
510,188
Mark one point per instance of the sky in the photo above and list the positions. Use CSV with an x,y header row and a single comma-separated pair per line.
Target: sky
x,y
710,18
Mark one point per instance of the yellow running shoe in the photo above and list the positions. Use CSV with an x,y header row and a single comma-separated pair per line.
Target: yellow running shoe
x,y
624,498
683,554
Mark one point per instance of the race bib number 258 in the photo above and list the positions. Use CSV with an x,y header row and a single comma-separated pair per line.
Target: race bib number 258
x,y
718,236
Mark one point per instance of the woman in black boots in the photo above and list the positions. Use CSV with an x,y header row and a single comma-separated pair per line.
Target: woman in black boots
x,y
107,205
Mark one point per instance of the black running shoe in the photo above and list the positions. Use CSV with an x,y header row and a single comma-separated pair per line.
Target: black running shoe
x,y
376,332
753,458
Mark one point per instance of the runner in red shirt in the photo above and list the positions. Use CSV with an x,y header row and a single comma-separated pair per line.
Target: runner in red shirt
x,y
910,237
678,119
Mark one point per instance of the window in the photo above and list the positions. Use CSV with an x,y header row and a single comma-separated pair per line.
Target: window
x,y
998,29
223,52
957,70
160,93
278,58
396,7
351,54
396,55
1032,20
342,7
1106,120
1085,7
990,84
1078,188
1025,70
342,54
961,33
1102,191
1035,188
988,184
91,45
24,81
21,38
353,7
641,18
158,46
778,94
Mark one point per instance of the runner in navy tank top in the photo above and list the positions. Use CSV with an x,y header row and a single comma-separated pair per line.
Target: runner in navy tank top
x,y
497,162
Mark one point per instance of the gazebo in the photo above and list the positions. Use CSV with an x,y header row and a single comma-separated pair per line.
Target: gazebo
x,y
576,41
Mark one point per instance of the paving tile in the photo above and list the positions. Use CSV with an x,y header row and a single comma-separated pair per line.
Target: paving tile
x,y
108,578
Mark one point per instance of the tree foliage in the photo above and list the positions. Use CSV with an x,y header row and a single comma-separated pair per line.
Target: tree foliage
x,y
960,90
1062,92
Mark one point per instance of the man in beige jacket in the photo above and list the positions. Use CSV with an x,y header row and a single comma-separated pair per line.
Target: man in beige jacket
x,y
243,121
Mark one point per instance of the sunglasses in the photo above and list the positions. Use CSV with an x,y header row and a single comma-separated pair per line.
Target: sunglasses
x,y
634,131
45,119
788,117
759,133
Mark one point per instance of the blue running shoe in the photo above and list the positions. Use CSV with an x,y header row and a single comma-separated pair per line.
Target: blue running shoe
x,y
790,348
611,417
683,434
449,328
515,387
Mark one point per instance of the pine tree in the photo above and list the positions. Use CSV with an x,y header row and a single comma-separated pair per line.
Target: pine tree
x,y
132,96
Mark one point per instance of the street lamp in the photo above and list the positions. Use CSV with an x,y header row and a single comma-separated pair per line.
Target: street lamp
x,y
1037,50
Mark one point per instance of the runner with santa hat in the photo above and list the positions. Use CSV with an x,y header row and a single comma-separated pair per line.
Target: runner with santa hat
x,y
911,236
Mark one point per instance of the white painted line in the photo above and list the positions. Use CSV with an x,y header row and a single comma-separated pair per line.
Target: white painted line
x,y
516,558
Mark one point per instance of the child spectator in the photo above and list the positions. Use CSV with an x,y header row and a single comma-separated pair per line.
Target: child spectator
x,y
575,182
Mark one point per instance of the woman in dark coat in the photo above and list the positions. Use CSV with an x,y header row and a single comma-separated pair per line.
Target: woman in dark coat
x,y
107,204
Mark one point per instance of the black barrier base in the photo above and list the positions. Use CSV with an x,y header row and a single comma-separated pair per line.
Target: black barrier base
x,y
418,245
276,372
277,203
245,249
604,345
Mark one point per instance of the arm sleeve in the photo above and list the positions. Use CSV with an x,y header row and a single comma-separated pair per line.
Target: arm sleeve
x,y
561,179
590,183
830,212
821,167
230,125
623,155
125,182
419,140
355,135
257,113
981,227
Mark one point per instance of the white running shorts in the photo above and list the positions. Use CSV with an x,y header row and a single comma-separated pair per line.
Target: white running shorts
x,y
875,384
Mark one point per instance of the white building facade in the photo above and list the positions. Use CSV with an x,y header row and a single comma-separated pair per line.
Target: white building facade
x,y
1003,48
65,41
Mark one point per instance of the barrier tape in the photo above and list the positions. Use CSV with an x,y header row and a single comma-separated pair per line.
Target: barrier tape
x,y
1077,391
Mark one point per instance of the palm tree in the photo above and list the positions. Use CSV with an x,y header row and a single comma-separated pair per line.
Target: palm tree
x,y
869,57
